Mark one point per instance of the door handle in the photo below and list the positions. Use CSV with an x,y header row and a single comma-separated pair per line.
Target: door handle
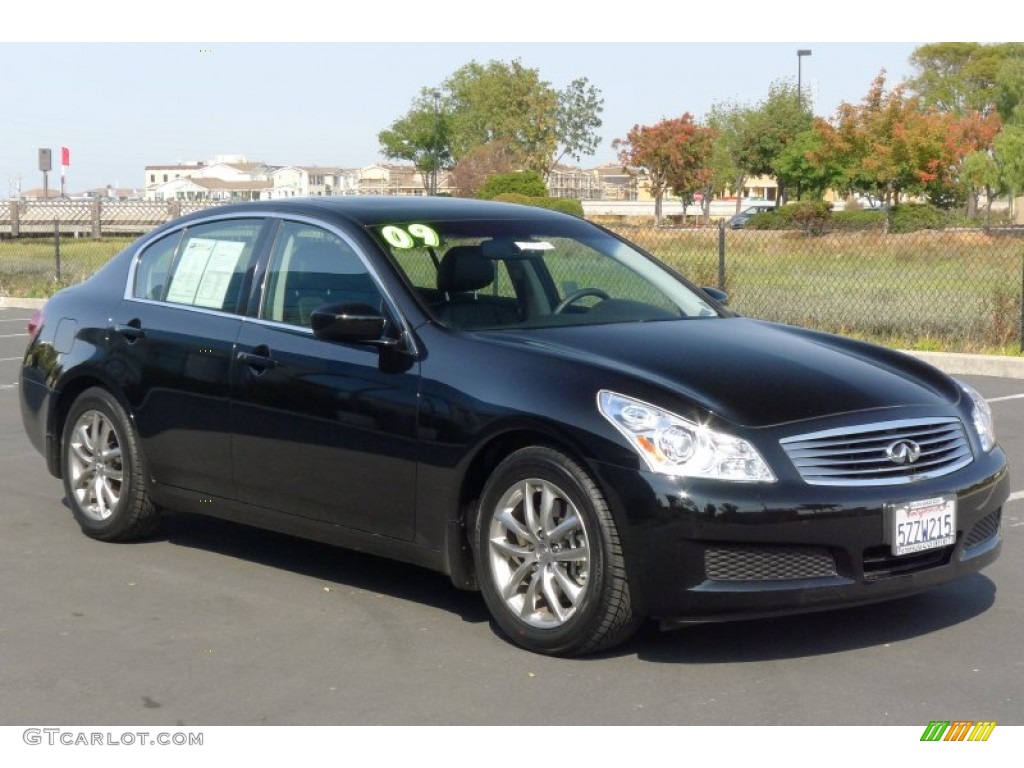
x,y
132,331
256,361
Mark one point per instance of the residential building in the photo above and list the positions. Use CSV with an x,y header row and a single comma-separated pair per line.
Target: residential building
x,y
161,174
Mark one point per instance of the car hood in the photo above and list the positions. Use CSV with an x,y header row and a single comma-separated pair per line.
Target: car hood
x,y
748,372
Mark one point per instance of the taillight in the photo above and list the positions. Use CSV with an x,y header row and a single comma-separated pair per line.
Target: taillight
x,y
35,323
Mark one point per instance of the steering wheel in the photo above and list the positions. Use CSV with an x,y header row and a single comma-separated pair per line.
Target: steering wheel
x,y
575,296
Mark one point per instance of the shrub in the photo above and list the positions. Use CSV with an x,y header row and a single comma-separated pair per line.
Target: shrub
x,y
913,217
562,204
853,220
810,217
528,183
769,220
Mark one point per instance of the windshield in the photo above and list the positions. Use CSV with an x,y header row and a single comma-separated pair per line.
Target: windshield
x,y
539,273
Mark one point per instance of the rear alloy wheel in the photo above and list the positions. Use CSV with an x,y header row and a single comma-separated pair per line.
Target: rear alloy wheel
x,y
103,471
552,570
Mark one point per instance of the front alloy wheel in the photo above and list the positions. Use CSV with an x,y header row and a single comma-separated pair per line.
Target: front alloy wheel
x,y
549,559
540,553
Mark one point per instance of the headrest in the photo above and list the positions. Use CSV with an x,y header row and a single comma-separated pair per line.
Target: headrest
x,y
317,257
463,269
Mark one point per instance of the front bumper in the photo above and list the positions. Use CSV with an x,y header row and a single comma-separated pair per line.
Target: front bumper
x,y
701,551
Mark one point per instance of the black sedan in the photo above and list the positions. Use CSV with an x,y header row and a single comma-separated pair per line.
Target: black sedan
x,y
515,397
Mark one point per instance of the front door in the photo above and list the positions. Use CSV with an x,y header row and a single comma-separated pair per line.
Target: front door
x,y
320,431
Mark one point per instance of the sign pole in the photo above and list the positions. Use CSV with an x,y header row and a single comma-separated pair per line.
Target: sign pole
x,y
65,161
45,165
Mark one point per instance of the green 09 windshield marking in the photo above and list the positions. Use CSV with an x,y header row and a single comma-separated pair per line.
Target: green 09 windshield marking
x,y
406,238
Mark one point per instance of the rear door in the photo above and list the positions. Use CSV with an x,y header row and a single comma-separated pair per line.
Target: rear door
x,y
172,341
322,429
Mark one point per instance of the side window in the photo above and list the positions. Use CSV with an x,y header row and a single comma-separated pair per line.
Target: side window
x,y
154,266
310,268
203,266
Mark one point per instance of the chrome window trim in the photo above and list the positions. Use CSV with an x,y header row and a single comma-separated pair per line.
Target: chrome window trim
x,y
400,319
148,240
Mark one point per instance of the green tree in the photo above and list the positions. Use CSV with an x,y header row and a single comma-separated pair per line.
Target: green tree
x,y
728,163
507,103
579,116
421,137
1008,148
961,77
805,163
980,172
769,127
498,104
1009,90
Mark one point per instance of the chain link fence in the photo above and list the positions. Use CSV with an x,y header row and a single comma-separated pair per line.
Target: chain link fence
x,y
47,245
945,290
942,290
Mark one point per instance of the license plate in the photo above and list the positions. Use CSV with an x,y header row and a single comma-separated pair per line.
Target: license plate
x,y
923,524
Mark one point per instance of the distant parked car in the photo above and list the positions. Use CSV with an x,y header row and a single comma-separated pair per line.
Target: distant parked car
x,y
739,221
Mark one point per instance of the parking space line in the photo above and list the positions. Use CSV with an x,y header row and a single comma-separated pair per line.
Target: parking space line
x,y
12,335
8,359
1017,496
1004,397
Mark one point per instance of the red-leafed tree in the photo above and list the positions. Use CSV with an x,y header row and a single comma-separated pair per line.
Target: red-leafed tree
x,y
890,144
674,154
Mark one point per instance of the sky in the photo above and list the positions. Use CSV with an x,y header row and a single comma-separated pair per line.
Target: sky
x,y
125,95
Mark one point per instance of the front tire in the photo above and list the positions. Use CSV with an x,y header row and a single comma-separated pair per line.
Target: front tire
x,y
551,563
104,471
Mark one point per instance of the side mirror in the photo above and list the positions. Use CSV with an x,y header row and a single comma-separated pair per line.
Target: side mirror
x,y
353,323
720,296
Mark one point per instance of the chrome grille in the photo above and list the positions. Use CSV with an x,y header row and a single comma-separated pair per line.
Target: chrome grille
x,y
858,455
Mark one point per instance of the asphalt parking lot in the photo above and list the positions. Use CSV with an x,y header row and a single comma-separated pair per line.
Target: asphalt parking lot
x,y
211,623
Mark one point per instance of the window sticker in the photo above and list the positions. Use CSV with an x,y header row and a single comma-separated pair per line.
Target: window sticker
x,y
407,238
204,272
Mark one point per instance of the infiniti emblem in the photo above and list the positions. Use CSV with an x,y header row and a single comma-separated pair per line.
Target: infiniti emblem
x,y
903,452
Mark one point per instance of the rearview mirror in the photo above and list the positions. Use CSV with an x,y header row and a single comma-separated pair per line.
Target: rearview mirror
x,y
720,296
514,248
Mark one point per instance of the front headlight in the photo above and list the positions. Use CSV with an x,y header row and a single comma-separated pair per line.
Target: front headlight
x,y
981,415
673,445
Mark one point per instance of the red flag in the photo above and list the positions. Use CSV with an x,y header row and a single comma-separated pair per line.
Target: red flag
x,y
65,156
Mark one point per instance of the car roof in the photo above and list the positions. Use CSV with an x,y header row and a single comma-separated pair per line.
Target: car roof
x,y
370,210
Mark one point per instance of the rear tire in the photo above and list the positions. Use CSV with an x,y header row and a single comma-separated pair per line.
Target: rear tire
x,y
104,471
551,566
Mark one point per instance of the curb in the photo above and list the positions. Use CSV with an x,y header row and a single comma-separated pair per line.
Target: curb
x,y
10,302
957,363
